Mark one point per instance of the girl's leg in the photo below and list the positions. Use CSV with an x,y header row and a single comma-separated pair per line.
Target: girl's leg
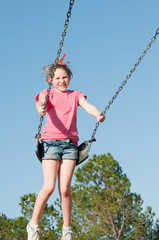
x,y
50,170
66,170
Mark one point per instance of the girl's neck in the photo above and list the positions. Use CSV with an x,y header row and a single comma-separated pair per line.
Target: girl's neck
x,y
60,91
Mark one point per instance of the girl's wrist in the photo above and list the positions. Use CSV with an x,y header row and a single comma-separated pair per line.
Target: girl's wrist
x,y
99,114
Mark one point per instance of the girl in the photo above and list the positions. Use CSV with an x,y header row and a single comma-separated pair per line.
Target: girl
x,y
59,142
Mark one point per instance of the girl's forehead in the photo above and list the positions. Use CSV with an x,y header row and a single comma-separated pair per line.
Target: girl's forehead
x,y
60,71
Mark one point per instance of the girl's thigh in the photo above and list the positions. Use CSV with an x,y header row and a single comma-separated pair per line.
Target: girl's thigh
x,y
66,170
50,171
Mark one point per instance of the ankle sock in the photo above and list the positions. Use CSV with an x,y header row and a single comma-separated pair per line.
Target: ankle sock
x,y
33,225
65,229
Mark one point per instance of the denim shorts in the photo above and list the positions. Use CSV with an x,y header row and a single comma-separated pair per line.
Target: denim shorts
x,y
59,149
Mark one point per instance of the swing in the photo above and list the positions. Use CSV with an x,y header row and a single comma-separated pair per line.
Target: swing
x,y
84,148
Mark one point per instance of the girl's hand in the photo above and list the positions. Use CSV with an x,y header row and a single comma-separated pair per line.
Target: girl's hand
x,y
40,109
100,118
42,112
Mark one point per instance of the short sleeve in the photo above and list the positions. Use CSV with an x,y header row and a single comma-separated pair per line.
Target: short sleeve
x,y
43,92
79,95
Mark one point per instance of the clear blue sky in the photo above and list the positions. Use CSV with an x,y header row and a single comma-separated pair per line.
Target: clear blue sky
x,y
104,40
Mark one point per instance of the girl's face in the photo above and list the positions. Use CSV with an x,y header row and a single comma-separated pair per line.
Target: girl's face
x,y
61,80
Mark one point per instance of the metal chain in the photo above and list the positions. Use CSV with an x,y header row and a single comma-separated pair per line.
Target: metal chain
x,y
55,63
124,83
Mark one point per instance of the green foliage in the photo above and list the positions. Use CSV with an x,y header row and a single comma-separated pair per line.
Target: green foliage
x,y
103,204
12,228
154,235
5,226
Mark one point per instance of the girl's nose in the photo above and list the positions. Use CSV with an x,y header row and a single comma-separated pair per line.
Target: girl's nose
x,y
61,80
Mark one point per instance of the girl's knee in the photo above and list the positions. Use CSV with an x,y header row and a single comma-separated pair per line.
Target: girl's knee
x,y
48,190
65,191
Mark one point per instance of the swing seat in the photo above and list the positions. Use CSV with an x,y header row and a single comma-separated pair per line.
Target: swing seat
x,y
83,150
38,149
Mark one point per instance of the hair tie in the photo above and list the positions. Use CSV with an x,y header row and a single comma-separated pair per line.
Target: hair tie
x,y
61,63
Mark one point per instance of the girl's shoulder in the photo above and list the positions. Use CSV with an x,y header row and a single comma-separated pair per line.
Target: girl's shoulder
x,y
76,94
44,92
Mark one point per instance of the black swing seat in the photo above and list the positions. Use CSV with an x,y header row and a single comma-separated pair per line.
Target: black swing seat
x,y
38,149
83,150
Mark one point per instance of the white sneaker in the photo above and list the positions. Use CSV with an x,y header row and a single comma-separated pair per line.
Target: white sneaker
x,y
68,234
33,232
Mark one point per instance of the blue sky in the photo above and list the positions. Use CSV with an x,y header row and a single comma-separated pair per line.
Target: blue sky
x,y
103,41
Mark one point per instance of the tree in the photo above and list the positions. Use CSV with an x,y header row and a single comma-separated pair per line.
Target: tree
x,y
5,226
155,231
103,205
12,228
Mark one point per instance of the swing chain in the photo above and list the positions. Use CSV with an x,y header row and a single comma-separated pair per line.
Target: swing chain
x,y
55,64
125,81
157,32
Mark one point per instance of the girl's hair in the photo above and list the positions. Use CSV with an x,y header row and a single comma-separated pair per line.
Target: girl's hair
x,y
50,69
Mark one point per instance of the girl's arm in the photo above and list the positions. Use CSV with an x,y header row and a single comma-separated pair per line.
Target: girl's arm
x,y
91,109
40,105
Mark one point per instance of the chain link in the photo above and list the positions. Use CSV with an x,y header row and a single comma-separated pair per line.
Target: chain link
x,y
55,63
125,81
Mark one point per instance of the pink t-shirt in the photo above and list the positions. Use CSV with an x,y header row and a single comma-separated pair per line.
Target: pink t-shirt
x,y
61,115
